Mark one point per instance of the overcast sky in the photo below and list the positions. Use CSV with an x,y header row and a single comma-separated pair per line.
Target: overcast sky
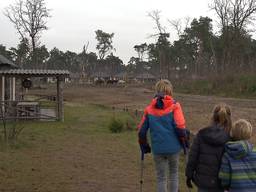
x,y
74,22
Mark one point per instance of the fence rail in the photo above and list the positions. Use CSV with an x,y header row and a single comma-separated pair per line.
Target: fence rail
x,y
17,110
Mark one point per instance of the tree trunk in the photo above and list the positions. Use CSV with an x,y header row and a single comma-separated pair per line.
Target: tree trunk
x,y
34,56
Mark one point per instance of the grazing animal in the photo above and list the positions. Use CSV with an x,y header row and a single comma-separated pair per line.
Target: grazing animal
x,y
99,82
121,82
112,81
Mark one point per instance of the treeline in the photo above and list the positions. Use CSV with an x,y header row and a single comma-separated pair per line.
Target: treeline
x,y
198,53
83,62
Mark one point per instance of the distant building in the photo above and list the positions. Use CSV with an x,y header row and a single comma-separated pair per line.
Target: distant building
x,y
9,72
7,85
145,77
75,77
101,75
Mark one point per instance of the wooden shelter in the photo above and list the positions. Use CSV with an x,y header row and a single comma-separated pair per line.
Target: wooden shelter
x,y
6,64
9,73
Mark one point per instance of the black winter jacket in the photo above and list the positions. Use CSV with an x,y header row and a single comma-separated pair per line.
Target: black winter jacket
x,y
205,157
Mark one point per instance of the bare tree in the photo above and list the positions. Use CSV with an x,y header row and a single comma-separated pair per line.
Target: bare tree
x,y
29,18
177,25
180,25
187,21
242,13
84,60
235,13
155,15
222,9
162,44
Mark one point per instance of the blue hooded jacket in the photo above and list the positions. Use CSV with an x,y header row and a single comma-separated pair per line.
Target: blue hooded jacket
x,y
238,168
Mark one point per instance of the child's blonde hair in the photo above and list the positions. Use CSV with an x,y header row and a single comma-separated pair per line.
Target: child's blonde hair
x,y
164,86
241,130
222,116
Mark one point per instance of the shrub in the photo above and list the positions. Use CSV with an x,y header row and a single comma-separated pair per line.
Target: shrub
x,y
115,125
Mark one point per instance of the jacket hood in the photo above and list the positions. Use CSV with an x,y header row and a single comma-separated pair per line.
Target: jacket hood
x,y
162,101
214,135
238,149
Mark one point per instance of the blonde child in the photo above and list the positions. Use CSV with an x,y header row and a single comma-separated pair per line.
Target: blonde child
x,y
207,150
238,167
164,118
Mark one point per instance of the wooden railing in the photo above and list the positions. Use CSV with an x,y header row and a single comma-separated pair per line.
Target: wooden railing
x,y
15,110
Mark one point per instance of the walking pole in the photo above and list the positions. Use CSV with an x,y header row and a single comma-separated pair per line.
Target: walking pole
x,y
141,170
186,161
186,152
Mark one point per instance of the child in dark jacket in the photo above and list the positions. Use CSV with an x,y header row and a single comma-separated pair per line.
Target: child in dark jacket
x,y
207,150
238,167
164,118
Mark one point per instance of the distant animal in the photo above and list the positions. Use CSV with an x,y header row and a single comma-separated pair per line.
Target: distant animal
x,y
99,82
121,82
112,81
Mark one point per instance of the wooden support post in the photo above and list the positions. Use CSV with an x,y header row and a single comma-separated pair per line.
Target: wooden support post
x,y
3,94
13,96
10,89
60,107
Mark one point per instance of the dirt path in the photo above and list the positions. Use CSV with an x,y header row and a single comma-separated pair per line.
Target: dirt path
x,y
197,108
